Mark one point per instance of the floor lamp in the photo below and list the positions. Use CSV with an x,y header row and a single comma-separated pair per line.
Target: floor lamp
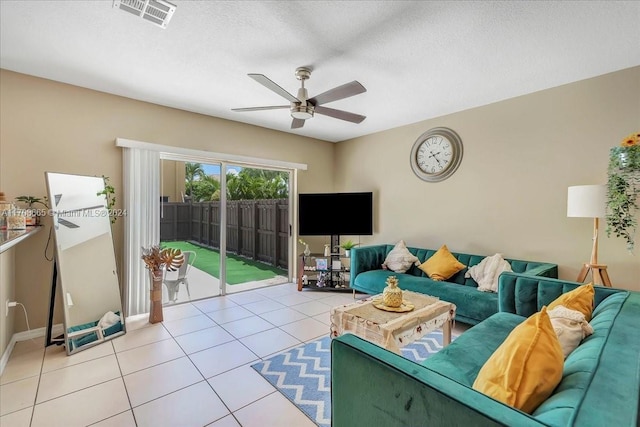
x,y
589,201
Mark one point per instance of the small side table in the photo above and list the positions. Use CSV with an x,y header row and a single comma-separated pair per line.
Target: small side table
x,y
393,330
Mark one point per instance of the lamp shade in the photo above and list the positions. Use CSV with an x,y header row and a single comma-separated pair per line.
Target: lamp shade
x,y
587,201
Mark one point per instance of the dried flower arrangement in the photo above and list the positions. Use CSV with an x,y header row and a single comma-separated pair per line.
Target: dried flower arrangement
x,y
157,260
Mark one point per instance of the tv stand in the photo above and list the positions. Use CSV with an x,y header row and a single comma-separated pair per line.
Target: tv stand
x,y
320,272
316,272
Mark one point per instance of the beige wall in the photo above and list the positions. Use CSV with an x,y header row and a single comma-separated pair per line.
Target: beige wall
x,y
509,194
49,126
170,185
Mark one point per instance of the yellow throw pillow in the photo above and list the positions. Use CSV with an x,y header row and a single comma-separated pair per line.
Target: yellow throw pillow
x,y
579,299
441,265
526,368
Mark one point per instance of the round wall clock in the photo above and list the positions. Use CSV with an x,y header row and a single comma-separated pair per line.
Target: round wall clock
x,y
436,154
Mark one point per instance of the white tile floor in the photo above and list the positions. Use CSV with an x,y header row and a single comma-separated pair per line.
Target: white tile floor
x,y
191,370
194,369
204,285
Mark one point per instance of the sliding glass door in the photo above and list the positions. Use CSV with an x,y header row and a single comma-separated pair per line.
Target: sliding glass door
x,y
233,227
257,249
147,167
190,220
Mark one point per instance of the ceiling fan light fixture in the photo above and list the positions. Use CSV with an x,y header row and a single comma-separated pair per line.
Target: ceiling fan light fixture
x,y
302,112
304,108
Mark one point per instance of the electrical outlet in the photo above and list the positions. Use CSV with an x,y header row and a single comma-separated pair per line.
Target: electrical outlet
x,y
8,305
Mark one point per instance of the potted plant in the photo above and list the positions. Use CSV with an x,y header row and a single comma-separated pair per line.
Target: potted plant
x,y
156,261
623,189
347,246
33,215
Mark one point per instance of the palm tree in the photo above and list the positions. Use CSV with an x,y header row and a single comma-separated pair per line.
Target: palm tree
x,y
252,184
192,171
204,188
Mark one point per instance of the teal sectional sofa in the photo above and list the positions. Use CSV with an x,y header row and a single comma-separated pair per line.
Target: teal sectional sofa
x,y
600,384
473,306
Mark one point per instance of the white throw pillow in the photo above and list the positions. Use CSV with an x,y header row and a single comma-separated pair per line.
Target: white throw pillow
x,y
400,259
486,272
571,327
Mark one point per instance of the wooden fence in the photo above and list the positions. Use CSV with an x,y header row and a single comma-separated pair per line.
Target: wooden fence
x,y
256,229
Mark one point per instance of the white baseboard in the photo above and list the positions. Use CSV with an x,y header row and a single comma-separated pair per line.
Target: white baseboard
x,y
27,335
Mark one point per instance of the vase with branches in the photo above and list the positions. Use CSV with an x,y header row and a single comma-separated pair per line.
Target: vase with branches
x,y
306,251
157,260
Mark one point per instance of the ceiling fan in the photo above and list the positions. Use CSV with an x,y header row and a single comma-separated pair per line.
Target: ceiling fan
x,y
302,107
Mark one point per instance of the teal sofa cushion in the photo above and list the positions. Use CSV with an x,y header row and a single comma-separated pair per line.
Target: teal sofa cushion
x,y
472,306
461,360
613,395
525,294
580,366
371,386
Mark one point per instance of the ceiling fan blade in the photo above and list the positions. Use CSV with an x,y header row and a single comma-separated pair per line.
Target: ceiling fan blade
x,y
340,114
272,107
297,123
269,84
340,92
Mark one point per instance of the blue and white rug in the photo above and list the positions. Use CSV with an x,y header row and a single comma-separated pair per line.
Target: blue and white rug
x,y
303,374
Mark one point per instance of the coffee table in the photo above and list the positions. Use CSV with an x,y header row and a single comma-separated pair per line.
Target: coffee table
x,y
393,330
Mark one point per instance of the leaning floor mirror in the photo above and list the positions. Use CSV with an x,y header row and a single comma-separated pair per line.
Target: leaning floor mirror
x,y
85,260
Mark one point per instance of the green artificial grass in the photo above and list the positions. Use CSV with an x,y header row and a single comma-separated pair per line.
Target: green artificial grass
x,y
239,270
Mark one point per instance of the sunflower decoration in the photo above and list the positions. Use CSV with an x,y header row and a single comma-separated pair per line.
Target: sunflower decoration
x,y
156,258
631,140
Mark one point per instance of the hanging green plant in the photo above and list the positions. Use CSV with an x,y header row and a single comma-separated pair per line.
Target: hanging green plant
x,y
110,193
623,189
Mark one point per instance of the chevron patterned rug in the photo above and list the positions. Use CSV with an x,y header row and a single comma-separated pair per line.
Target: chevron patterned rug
x,y
302,374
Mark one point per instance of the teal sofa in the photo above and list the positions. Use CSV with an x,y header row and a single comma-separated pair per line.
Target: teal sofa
x,y
371,386
473,306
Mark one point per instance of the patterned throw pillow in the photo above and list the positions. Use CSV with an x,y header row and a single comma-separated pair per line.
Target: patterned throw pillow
x,y
399,260
486,272
570,326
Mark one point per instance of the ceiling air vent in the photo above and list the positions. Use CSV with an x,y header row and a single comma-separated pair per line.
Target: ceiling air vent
x,y
158,12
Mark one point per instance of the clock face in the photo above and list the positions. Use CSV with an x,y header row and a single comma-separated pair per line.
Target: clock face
x,y
436,154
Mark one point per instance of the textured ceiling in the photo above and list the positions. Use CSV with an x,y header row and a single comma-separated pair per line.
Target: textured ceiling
x,y
418,60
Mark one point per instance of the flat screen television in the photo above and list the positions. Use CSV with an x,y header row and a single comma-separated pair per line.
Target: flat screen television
x,y
327,214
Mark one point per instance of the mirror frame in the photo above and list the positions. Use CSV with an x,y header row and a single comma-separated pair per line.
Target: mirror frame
x,y
96,218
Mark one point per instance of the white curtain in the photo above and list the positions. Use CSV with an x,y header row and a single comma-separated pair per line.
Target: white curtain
x,y
142,223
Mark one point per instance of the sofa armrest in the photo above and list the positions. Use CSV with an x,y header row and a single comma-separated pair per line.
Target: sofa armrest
x,y
613,397
545,270
366,258
524,294
371,386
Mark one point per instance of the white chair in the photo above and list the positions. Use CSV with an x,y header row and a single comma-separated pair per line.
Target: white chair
x,y
173,284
